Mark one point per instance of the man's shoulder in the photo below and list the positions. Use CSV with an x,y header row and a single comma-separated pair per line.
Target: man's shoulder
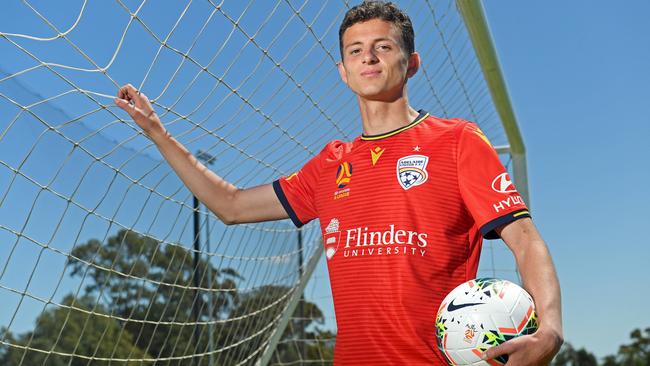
x,y
446,124
335,150
442,130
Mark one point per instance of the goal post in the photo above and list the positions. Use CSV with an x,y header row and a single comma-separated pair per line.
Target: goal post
x,y
479,33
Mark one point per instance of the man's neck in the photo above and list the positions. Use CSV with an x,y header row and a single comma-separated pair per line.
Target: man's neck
x,y
381,117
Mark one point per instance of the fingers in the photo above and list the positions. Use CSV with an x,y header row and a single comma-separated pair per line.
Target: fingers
x,y
125,105
139,108
142,97
126,98
128,92
500,350
131,100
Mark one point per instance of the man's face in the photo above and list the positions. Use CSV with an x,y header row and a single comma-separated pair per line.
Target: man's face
x,y
374,65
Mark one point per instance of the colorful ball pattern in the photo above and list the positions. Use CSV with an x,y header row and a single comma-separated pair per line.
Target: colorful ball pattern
x,y
480,314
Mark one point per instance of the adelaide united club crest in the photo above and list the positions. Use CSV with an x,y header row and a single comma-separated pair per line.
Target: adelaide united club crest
x,y
412,171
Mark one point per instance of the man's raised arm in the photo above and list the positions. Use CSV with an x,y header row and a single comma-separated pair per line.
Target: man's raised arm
x,y
231,204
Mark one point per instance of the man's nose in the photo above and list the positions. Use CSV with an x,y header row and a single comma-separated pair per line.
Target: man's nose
x,y
369,56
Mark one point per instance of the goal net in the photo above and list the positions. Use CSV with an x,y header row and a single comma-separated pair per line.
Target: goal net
x,y
105,257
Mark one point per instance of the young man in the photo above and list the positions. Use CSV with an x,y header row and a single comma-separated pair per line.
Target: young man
x,y
403,208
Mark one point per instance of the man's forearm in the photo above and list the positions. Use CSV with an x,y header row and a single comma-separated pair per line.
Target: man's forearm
x,y
540,279
216,193
230,204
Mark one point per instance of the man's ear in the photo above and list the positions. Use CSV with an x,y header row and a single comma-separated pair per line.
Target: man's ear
x,y
414,64
342,72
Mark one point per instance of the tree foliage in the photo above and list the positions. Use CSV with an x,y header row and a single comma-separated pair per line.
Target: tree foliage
x,y
148,281
139,302
568,356
637,353
66,331
301,340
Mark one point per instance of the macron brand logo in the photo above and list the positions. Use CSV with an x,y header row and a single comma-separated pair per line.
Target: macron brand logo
x,y
503,184
375,154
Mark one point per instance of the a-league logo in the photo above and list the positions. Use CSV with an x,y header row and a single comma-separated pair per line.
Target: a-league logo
x,y
412,170
343,174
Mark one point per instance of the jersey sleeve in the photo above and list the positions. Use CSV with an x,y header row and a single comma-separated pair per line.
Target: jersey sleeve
x,y
485,186
296,192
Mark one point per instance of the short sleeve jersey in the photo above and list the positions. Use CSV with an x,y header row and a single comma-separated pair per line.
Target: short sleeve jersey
x,y
403,216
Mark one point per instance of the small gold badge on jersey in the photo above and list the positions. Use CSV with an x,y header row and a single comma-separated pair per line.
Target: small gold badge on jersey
x,y
343,177
412,171
375,154
291,176
480,134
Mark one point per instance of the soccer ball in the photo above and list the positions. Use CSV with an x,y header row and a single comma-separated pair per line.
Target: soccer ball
x,y
480,314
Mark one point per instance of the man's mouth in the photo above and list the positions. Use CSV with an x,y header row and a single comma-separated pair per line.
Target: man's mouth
x,y
370,73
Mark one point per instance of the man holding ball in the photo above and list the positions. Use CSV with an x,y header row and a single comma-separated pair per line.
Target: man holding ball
x,y
403,208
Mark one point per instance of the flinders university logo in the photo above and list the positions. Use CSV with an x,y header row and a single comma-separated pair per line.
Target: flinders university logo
x,y
412,170
331,238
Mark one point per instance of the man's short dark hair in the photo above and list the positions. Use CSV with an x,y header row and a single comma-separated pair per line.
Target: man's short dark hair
x,y
389,12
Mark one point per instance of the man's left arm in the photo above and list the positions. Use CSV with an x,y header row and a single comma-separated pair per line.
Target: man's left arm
x,y
540,280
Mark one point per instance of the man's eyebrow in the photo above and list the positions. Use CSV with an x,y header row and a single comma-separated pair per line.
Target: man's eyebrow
x,y
374,40
353,44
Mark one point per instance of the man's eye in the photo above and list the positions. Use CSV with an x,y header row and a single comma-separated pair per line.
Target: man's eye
x,y
354,51
383,47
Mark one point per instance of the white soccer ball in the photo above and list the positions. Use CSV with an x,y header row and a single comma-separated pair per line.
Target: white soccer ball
x,y
480,314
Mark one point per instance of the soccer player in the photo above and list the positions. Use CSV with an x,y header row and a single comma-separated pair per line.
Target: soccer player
x,y
403,208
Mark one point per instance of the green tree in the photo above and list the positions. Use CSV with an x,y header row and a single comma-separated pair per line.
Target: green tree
x,y
72,330
148,281
301,339
585,358
138,303
568,356
610,361
636,353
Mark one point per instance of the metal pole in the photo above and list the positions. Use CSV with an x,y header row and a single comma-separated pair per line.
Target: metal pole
x,y
301,309
210,294
207,159
479,32
195,276
291,306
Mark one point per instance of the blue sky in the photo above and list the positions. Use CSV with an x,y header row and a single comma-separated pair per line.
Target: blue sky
x,y
578,77
578,80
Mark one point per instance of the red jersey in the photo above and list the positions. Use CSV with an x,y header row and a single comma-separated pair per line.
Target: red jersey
x,y
403,215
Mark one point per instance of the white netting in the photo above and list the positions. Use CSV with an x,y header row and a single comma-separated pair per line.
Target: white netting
x,y
97,264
